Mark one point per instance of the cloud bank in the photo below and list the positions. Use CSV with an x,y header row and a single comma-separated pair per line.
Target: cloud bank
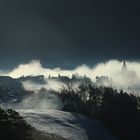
x,y
111,68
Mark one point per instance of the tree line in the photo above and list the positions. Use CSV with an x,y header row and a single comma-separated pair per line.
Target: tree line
x,y
118,110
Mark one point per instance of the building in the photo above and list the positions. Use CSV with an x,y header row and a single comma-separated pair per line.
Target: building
x,y
124,67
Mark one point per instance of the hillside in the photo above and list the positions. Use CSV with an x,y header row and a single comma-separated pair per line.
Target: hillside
x,y
70,126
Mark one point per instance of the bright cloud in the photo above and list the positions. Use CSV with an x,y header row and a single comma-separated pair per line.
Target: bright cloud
x,y
112,69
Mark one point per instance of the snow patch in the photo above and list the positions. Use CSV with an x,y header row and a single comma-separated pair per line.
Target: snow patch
x,y
71,126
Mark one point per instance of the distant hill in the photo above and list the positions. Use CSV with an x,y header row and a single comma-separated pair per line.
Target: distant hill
x,y
11,90
36,79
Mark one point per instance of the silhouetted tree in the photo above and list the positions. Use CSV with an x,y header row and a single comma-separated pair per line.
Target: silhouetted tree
x,y
13,127
118,110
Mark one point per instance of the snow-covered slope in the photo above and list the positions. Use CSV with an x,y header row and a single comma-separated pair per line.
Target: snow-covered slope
x,y
70,126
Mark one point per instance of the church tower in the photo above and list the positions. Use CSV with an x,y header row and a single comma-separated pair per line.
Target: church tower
x,y
124,67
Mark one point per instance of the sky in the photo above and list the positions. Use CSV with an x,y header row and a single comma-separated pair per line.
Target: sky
x,y
66,34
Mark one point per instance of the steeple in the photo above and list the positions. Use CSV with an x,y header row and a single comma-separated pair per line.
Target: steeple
x,y
124,67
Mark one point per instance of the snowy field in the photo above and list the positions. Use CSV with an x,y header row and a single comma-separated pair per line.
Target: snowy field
x,y
70,126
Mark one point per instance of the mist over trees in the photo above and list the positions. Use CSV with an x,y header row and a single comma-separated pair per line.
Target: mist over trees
x,y
116,109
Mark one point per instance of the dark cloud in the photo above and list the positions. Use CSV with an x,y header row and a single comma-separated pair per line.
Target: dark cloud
x,y
67,33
